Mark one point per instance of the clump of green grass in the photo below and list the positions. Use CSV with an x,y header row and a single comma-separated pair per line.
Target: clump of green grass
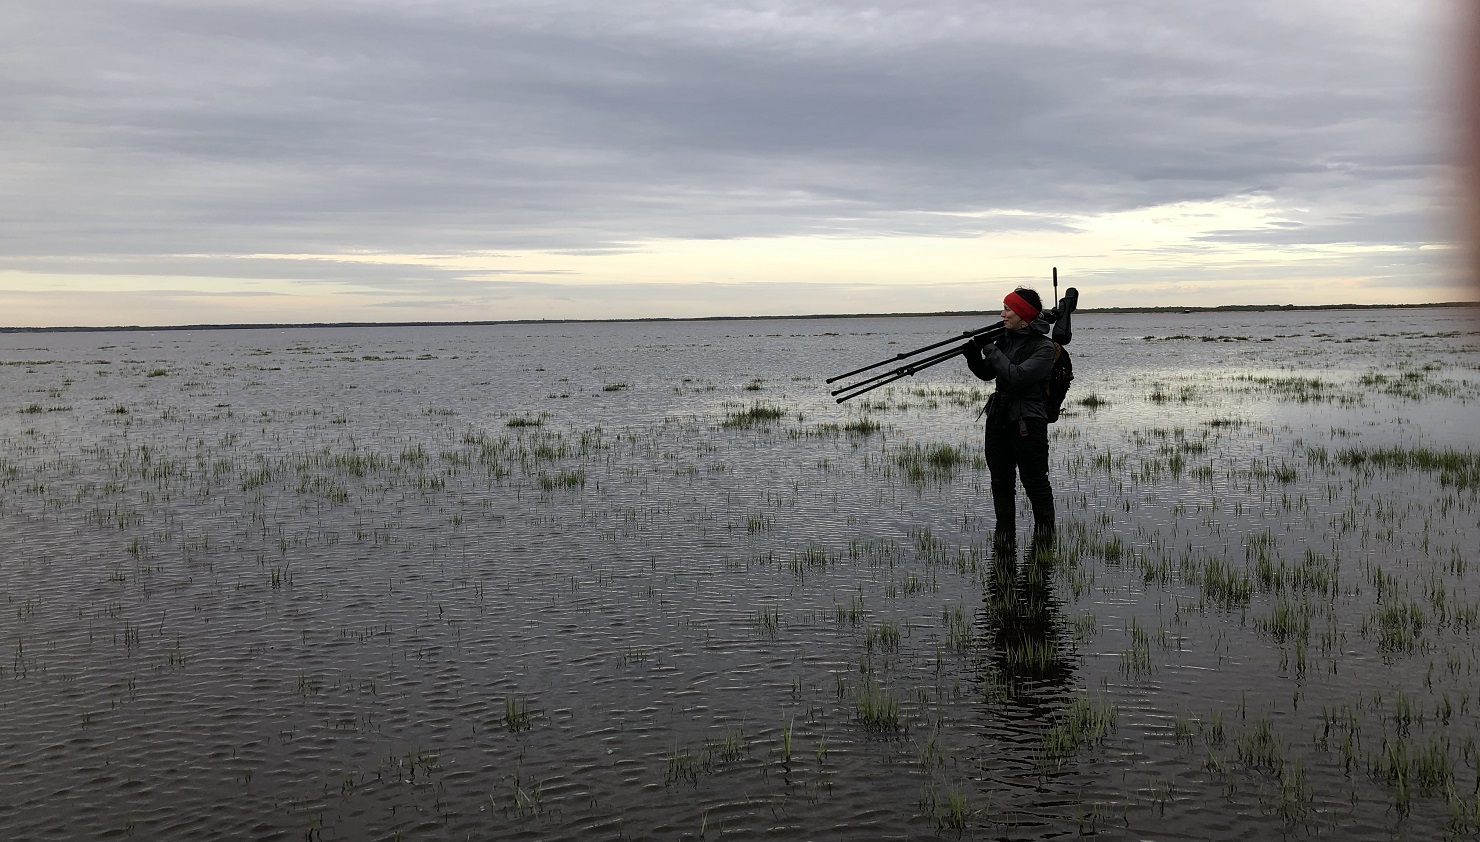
x,y
1457,468
517,716
1032,657
1261,749
1093,401
256,477
950,812
685,763
1427,768
1224,586
1316,572
813,556
959,633
1397,624
876,708
1082,724
926,462
758,522
564,479
885,636
1298,389
547,449
526,802
755,415
768,621
525,421
853,613
614,387
1287,620
1136,661
860,427
1410,383
727,749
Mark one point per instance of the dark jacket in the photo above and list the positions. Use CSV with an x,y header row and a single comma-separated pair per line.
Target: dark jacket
x,y
1020,361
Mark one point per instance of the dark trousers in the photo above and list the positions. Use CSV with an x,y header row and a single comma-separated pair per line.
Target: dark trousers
x,y
1020,449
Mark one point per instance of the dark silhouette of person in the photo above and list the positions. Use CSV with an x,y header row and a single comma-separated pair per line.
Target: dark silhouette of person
x,y
1020,360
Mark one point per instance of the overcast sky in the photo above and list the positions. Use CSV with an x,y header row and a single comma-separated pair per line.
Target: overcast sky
x,y
188,161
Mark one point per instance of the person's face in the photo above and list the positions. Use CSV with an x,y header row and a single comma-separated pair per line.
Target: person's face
x,y
1012,320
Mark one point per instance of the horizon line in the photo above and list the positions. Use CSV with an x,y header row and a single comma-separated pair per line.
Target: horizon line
x,y
1224,308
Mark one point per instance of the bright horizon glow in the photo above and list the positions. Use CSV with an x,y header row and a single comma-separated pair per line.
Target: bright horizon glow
x,y
1157,256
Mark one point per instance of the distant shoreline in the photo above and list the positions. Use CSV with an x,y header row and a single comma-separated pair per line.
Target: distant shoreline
x,y
1227,308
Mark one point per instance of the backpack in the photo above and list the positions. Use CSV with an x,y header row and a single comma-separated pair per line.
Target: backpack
x,y
1057,384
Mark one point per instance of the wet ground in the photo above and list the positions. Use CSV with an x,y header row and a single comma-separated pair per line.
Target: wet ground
x,y
649,581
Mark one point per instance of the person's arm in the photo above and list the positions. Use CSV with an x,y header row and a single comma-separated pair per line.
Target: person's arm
x,y
1034,369
978,365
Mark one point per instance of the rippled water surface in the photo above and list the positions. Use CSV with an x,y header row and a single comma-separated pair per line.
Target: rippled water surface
x,y
607,581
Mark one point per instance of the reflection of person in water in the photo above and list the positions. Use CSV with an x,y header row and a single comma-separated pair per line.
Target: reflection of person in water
x,y
1022,620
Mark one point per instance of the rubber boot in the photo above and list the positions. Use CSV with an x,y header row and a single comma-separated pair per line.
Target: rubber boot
x,y
1004,539
1043,519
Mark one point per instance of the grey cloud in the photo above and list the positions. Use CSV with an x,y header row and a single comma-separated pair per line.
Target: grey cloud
x,y
1404,227
162,294
374,275
148,128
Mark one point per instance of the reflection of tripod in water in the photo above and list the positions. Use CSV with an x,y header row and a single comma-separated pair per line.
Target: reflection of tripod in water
x,y
1023,629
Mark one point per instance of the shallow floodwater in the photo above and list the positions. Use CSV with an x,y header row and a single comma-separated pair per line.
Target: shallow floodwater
x,y
605,581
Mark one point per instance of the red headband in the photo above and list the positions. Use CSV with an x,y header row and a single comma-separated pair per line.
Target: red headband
x,y
1017,304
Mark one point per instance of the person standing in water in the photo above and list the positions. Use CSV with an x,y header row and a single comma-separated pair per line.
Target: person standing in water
x,y
1020,361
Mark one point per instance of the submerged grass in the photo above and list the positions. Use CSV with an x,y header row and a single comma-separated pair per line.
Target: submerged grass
x,y
1457,468
1083,724
752,416
877,709
923,463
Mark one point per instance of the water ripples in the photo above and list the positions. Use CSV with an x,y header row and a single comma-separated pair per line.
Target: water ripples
x,y
525,582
